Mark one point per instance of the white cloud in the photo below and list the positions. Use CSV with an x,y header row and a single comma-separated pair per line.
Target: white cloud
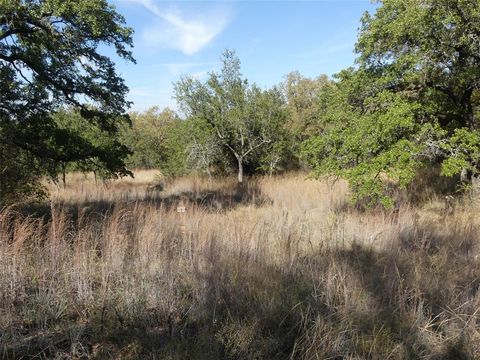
x,y
177,31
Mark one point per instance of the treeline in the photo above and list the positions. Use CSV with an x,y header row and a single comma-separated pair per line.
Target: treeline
x,y
409,103
223,126
227,126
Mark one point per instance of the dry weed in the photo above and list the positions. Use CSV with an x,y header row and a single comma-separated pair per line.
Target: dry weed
x,y
278,269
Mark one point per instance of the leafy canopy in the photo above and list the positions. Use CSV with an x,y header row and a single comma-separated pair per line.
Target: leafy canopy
x,y
410,102
245,119
49,59
87,147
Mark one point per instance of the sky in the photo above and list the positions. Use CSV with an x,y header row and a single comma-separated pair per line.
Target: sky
x,y
271,38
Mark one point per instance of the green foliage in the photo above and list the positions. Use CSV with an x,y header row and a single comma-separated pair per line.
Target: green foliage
x,y
86,147
302,96
410,102
245,119
148,137
160,139
175,156
18,175
463,149
372,148
49,59
203,150
280,156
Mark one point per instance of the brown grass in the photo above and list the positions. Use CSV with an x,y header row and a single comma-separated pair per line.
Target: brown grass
x,y
280,269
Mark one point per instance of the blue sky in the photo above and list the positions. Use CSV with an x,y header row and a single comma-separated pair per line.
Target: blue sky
x,y
271,39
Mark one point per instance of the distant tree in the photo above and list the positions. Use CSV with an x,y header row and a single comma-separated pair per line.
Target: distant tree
x,y
303,101
203,150
410,103
89,148
148,137
159,139
278,155
244,118
49,59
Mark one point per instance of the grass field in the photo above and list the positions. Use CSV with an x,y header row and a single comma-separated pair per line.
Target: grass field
x,y
282,269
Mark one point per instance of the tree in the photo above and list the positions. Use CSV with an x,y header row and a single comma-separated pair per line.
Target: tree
x,y
245,119
367,139
302,95
89,148
148,137
409,104
17,175
431,49
49,59
203,148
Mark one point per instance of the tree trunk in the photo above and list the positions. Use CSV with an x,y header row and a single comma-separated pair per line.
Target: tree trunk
x,y
64,175
240,169
467,109
469,179
469,116
466,177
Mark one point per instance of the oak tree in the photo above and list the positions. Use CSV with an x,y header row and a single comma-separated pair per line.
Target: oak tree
x,y
50,58
244,118
410,102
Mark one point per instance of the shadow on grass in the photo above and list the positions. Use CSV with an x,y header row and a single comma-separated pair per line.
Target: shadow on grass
x,y
222,200
246,308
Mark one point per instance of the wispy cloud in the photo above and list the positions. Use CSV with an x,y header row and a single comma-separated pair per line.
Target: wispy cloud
x,y
188,34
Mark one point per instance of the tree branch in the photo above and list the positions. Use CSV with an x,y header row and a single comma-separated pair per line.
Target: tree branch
x,y
263,142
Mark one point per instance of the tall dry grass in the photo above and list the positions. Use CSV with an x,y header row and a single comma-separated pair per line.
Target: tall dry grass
x,y
281,269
